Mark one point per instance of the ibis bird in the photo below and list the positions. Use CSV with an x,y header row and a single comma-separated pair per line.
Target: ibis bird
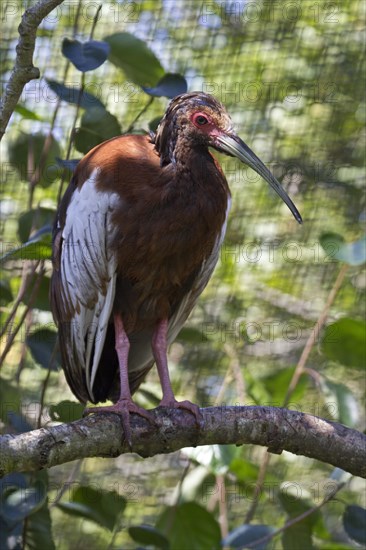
x,y
136,240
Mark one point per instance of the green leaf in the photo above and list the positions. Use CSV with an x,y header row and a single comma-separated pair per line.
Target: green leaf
x,y
42,344
189,525
295,500
277,383
27,114
354,521
297,537
86,56
41,300
66,411
102,507
345,342
347,407
146,534
169,86
71,95
34,219
244,535
39,530
10,400
138,62
25,155
97,125
244,470
18,504
6,295
353,253
39,247
192,335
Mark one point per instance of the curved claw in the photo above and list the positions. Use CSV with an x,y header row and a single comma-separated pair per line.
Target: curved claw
x,y
123,408
187,405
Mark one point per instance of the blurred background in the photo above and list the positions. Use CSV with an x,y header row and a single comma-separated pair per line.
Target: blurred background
x,y
291,74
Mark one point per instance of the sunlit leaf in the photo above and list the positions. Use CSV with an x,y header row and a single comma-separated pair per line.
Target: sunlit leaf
x,y
345,342
277,383
86,56
192,335
189,525
27,113
66,411
132,55
244,470
10,399
169,86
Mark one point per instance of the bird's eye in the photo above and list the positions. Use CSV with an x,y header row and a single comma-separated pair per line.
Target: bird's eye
x,y
201,120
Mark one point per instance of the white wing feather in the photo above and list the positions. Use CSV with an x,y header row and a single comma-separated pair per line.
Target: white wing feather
x,y
88,272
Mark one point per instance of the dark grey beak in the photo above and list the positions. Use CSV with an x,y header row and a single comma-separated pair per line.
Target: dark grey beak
x,y
234,146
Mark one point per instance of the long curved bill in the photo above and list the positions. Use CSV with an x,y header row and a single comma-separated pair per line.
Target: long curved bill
x,y
235,147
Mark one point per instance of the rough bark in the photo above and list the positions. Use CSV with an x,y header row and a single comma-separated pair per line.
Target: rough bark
x,y
101,435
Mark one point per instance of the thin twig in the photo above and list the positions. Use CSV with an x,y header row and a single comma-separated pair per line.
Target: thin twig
x,y
314,335
77,112
21,292
144,109
297,519
295,379
33,295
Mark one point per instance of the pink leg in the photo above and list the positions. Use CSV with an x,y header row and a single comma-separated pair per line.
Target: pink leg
x,y
160,348
124,405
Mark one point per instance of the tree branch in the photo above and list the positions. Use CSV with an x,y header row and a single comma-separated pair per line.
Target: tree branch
x,y
24,70
102,435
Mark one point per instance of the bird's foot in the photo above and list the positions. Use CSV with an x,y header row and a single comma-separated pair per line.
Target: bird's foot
x,y
186,405
123,408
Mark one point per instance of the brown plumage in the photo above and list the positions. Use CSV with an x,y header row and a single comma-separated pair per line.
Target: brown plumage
x,y
135,242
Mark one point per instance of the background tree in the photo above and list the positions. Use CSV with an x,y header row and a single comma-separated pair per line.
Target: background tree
x,y
281,323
